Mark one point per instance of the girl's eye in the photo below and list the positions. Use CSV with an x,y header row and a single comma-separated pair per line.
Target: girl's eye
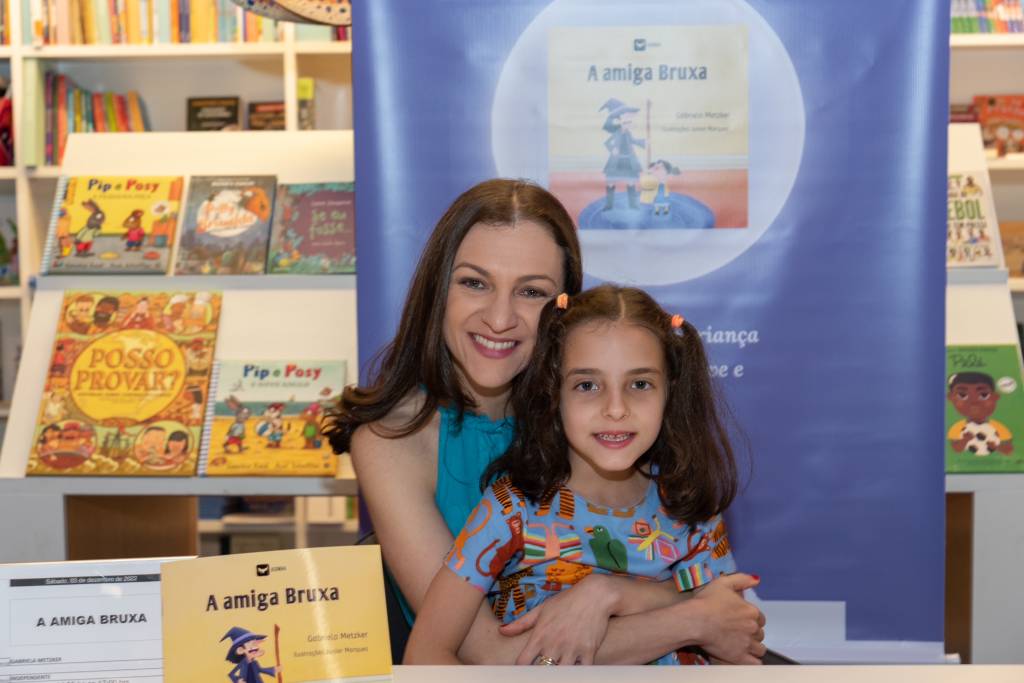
x,y
642,384
585,385
471,283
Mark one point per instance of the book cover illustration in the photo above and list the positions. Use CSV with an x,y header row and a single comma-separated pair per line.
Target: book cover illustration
x,y
227,225
313,229
9,253
267,418
652,132
315,614
108,224
1002,123
127,384
984,409
972,236
213,113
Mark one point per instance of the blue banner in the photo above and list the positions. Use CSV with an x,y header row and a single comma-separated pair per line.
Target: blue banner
x,y
775,171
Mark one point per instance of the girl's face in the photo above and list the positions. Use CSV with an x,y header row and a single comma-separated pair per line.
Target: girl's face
x,y
501,278
614,388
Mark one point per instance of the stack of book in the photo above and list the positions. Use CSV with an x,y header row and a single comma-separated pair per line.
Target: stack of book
x,y
987,16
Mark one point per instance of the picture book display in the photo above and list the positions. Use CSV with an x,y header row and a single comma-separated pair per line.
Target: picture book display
x,y
984,409
226,225
267,417
112,224
315,614
972,233
127,384
313,229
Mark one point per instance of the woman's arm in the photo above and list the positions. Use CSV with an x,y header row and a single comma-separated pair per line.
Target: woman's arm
x,y
445,617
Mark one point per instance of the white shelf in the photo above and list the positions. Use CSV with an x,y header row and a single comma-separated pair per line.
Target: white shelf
x,y
6,51
8,172
10,292
969,483
158,51
1017,285
986,40
179,486
335,47
43,172
1015,163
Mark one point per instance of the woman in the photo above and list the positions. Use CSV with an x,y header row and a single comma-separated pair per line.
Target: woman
x,y
435,415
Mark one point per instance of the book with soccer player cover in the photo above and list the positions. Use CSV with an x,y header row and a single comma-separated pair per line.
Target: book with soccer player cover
x,y
312,614
314,229
226,225
267,418
126,387
972,232
112,224
984,409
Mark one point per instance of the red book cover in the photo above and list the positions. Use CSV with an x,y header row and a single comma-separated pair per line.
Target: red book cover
x,y
313,229
121,112
99,118
1002,122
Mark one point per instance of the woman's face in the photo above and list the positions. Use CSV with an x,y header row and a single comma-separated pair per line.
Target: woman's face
x,y
501,278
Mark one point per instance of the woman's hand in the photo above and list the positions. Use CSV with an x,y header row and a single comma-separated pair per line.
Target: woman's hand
x,y
732,628
568,627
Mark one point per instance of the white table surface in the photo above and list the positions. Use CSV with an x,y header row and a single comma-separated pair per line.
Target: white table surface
x,y
949,673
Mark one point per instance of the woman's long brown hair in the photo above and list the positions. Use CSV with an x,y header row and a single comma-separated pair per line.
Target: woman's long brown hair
x,y
418,356
692,457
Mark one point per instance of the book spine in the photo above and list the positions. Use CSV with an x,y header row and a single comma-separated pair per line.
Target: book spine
x,y
173,16
211,403
99,116
108,109
48,97
51,232
135,112
61,116
101,13
185,7
121,111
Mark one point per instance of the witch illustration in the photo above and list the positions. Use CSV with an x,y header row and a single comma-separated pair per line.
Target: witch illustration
x,y
623,165
245,649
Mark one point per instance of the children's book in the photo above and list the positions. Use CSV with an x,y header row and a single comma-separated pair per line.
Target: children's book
x,y
315,614
127,384
972,232
226,226
314,229
112,224
984,409
1002,123
267,418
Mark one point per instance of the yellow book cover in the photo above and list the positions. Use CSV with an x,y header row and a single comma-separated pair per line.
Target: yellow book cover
x,y
79,111
135,112
132,10
200,21
287,616
127,384
113,224
267,418
89,28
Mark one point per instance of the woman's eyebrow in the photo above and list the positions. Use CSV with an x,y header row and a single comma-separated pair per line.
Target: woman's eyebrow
x,y
485,273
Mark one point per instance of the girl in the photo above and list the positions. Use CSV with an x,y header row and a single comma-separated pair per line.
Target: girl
x,y
620,465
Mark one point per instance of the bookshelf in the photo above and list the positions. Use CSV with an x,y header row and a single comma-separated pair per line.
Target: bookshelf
x,y
165,76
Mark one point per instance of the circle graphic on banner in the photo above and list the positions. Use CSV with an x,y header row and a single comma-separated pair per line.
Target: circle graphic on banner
x,y
674,140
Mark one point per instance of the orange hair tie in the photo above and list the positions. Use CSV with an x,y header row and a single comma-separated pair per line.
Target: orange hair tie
x,y
562,301
677,322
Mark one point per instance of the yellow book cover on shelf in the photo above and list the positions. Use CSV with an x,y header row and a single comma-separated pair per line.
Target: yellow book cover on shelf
x,y
267,418
316,614
127,384
113,224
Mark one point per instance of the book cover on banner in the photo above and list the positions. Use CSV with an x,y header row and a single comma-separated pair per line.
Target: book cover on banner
x,y
81,621
984,409
313,229
650,132
315,614
112,224
226,225
127,383
267,418
972,232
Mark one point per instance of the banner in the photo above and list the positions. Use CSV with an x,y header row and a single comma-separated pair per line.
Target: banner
x,y
775,172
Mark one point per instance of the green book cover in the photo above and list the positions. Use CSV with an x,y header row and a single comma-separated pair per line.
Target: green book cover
x,y
984,409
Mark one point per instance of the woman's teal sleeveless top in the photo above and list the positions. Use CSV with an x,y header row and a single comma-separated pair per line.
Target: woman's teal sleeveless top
x,y
464,450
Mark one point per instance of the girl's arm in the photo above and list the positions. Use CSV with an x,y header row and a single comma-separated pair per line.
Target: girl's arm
x,y
445,617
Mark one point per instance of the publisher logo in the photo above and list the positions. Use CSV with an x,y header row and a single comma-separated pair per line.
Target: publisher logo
x,y
639,44
263,570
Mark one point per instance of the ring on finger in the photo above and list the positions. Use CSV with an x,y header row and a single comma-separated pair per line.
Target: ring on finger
x,y
544,661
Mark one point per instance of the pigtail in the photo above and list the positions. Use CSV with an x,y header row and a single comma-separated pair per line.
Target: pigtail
x,y
693,456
